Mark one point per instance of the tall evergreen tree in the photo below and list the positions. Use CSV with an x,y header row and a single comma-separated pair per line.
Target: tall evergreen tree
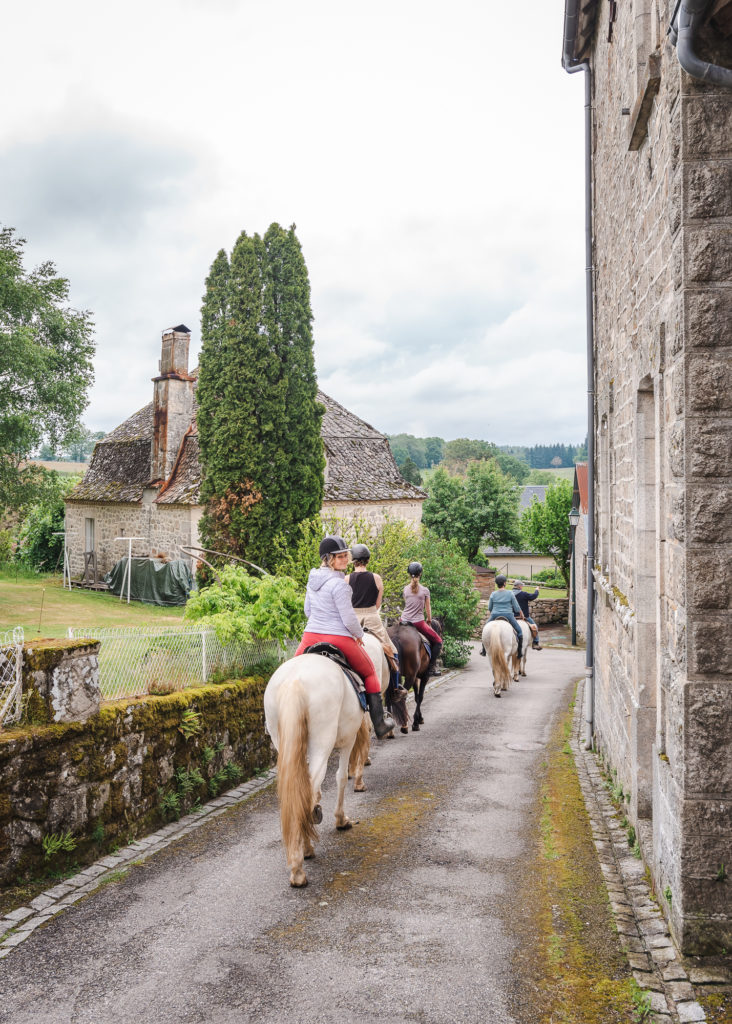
x,y
258,419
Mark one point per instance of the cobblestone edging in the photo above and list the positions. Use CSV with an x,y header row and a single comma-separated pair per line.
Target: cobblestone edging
x,y
19,924
653,957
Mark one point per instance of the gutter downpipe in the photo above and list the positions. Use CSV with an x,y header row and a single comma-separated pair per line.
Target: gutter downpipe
x,y
570,65
687,18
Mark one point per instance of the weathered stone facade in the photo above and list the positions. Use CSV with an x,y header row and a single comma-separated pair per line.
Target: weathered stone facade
x,y
61,680
373,512
164,529
662,219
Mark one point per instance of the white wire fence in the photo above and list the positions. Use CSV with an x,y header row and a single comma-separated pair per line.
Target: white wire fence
x,y
11,681
134,661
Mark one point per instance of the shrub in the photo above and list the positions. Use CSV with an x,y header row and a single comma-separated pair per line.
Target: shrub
x,y
455,653
6,546
37,546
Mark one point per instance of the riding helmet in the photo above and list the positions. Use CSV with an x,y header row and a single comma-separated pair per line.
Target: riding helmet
x,y
331,545
414,568
360,551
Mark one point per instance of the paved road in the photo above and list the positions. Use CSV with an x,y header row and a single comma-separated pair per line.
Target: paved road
x,y
406,918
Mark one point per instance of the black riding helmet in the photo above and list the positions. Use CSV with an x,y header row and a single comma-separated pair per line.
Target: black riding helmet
x,y
414,568
331,545
361,552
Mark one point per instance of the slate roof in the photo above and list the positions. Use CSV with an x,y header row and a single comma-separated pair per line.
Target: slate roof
x,y
360,465
530,492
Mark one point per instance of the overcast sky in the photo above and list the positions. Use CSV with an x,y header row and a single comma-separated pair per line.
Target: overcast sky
x,y
430,155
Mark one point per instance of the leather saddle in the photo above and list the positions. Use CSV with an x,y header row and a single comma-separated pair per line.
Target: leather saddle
x,y
335,654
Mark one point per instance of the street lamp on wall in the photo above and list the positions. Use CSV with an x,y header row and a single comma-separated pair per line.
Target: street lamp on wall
x,y
574,518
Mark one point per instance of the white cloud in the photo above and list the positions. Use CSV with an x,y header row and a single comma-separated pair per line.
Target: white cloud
x,y
432,166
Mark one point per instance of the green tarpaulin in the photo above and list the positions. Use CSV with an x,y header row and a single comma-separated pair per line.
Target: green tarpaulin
x,y
152,580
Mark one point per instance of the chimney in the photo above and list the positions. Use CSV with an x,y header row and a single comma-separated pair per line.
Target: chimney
x,y
172,402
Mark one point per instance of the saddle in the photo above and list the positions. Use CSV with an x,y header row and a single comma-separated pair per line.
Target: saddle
x,y
425,641
336,654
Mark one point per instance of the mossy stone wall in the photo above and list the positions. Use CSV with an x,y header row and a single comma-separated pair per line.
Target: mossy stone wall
x,y
103,780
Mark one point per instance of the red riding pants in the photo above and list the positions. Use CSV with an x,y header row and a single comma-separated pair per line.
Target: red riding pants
x,y
427,631
356,656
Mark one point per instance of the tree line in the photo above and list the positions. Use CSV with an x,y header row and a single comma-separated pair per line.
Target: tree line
x,y
427,452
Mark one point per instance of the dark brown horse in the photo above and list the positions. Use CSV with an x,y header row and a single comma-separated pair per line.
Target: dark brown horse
x,y
414,663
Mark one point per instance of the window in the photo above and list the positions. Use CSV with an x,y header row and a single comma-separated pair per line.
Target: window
x,y
88,535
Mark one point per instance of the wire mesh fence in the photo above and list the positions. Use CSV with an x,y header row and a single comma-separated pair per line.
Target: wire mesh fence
x,y
11,683
136,661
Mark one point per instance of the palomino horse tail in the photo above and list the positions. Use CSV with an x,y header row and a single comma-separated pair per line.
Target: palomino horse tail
x,y
294,787
360,753
501,674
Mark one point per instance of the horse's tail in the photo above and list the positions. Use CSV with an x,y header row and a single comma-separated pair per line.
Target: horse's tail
x,y
501,674
360,748
294,788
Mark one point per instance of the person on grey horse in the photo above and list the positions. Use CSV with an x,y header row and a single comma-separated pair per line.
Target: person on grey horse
x,y
522,599
502,604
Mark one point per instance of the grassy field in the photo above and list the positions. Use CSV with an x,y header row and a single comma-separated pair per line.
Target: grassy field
x,y
20,605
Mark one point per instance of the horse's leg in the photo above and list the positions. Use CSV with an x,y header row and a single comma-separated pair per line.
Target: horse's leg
x,y
359,755
343,822
422,678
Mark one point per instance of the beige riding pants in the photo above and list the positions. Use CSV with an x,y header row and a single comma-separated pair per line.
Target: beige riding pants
x,y
370,618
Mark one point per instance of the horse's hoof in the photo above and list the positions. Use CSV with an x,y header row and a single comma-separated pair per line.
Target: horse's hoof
x,y
317,814
367,762
496,694
359,789
415,727
345,826
405,730
298,880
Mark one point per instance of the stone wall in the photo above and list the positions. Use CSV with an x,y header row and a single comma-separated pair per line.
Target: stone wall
x,y
163,527
543,612
663,327
61,680
106,780
375,512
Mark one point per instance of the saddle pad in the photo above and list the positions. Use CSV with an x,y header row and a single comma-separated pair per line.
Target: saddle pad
x,y
336,654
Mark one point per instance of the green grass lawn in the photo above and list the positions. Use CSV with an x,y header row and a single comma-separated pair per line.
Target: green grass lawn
x,y
20,605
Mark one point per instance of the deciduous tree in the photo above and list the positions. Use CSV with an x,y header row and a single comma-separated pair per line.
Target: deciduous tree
x,y
46,351
545,525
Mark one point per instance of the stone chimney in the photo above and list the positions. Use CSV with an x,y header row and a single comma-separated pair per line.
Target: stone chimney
x,y
172,402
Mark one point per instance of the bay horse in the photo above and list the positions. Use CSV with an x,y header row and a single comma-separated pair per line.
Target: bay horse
x,y
499,640
311,709
414,663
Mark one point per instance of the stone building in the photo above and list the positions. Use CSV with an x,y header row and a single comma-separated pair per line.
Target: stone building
x,y
661,169
144,477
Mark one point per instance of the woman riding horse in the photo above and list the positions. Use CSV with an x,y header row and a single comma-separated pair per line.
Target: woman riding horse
x,y
417,608
331,619
367,592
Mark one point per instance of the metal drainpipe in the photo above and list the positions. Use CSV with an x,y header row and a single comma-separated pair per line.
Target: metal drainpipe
x,y
589,315
687,18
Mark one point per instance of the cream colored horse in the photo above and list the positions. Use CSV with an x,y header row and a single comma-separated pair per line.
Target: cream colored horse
x,y
519,664
358,759
499,640
311,709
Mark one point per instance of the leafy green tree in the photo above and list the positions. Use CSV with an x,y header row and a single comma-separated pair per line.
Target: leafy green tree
x,y
513,467
81,443
541,476
461,451
46,351
410,472
434,450
545,525
258,417
244,608
482,506
38,548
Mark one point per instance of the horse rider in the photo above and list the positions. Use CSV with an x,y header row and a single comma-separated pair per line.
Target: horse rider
x,y
417,610
367,594
522,599
331,619
502,604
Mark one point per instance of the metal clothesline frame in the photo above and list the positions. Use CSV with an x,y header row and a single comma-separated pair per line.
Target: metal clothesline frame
x,y
190,548
67,562
128,566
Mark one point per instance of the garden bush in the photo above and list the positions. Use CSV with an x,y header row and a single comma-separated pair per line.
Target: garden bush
x,y
455,653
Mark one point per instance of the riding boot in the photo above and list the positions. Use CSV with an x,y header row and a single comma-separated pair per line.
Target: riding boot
x,y
520,640
382,722
436,651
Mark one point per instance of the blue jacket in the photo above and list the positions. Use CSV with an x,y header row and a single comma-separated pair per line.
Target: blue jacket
x,y
503,603
328,605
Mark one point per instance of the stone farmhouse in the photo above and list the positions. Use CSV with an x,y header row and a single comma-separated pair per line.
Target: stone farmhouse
x,y
144,477
660,163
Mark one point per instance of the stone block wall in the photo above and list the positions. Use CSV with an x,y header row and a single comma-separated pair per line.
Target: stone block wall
x,y
61,680
663,329
163,527
375,512
104,780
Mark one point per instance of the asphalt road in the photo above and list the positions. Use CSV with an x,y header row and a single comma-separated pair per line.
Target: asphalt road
x,y
407,917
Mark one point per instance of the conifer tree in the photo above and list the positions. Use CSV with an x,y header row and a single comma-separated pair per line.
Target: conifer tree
x,y
259,421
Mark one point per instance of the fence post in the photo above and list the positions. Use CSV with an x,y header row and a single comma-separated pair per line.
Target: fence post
x,y
203,655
